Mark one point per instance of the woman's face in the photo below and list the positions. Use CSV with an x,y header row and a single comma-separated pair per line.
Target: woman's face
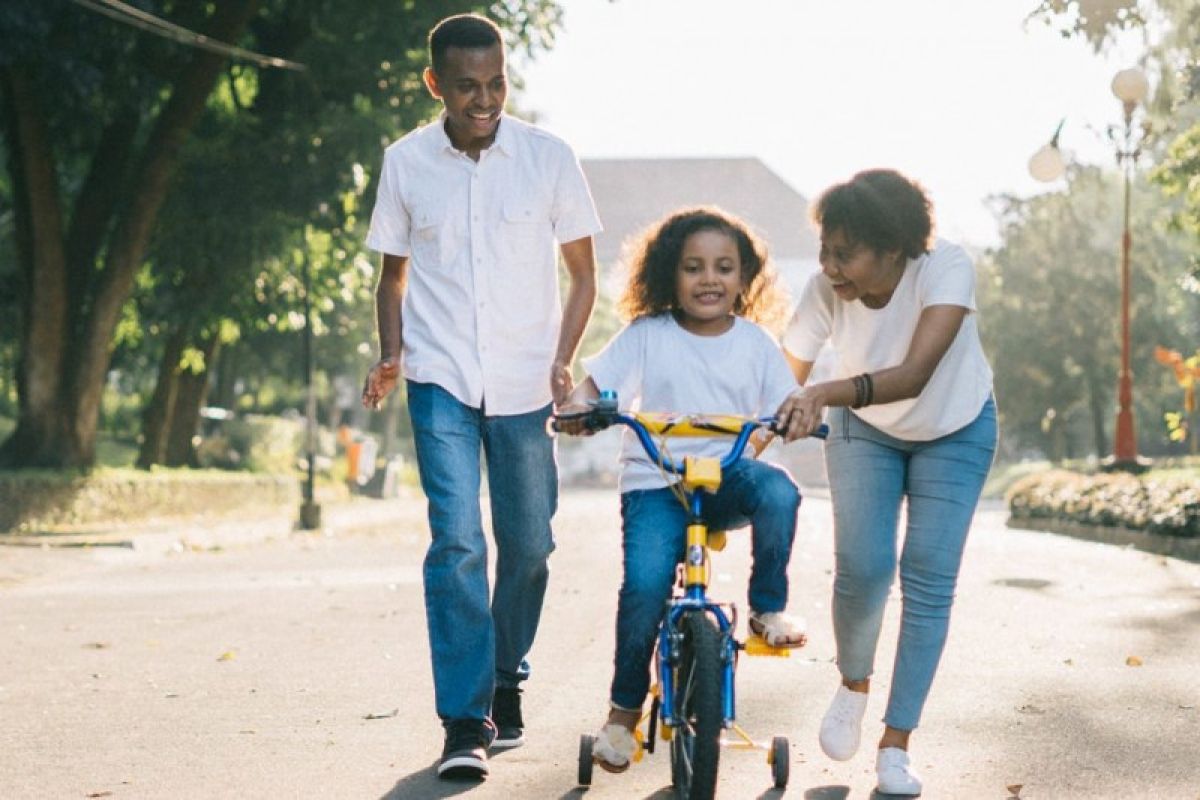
x,y
855,270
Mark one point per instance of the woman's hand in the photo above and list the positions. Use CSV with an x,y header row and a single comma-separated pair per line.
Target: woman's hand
x,y
800,414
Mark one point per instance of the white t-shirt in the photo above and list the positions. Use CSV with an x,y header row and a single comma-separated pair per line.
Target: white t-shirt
x,y
481,312
655,365
869,339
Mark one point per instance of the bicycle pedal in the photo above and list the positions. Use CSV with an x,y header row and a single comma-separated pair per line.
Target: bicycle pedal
x,y
757,646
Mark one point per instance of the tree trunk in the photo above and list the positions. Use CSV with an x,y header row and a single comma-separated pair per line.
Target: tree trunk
x,y
65,358
1098,410
157,417
185,418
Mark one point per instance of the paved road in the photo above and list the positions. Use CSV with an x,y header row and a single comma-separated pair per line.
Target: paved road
x,y
251,671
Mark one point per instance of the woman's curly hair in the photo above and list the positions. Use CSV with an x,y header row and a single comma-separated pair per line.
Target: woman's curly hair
x,y
881,209
653,260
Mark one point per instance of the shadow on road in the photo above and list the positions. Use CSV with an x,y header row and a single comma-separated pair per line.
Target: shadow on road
x,y
827,793
427,784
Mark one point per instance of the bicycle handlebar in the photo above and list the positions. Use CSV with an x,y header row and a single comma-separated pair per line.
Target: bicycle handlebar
x,y
604,414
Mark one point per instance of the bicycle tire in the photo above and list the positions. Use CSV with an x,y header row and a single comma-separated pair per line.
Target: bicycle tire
x,y
696,743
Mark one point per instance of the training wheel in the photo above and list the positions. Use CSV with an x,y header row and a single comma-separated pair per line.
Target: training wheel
x,y
780,759
587,743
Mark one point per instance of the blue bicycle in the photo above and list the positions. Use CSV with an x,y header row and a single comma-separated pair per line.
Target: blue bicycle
x,y
697,650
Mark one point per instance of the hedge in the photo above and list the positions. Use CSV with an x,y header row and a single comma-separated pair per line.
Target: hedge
x,y
41,500
1167,505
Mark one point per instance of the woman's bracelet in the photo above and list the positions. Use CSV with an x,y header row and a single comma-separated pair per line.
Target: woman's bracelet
x,y
864,390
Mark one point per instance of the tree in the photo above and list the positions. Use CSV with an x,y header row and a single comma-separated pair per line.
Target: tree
x,y
98,118
1049,305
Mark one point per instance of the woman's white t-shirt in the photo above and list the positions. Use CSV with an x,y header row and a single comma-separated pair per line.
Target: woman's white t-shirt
x,y
870,339
655,365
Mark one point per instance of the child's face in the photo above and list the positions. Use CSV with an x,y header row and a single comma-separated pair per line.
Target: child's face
x,y
708,281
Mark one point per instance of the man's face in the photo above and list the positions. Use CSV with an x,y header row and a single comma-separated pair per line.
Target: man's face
x,y
473,86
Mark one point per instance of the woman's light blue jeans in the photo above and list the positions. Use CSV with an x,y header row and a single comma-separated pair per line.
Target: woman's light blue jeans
x,y
870,474
654,534
477,645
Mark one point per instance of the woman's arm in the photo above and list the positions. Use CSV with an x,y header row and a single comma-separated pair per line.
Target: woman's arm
x,y
936,329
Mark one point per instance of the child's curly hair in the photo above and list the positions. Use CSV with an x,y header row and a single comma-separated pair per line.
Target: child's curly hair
x,y
653,259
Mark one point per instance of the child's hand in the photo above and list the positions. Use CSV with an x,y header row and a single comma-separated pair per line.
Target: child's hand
x,y
573,418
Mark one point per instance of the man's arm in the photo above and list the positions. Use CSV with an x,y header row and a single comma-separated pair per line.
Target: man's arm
x,y
389,297
580,260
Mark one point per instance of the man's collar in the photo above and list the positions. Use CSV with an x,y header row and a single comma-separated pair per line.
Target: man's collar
x,y
505,141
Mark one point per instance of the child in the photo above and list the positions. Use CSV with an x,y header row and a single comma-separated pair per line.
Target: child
x,y
697,279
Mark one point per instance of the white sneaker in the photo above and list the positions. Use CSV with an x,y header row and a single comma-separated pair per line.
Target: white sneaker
x,y
615,747
841,729
895,773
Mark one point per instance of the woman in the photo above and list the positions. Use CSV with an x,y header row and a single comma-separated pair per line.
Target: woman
x,y
917,423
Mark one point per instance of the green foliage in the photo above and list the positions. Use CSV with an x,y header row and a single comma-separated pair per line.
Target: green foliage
x,y
1049,299
1167,504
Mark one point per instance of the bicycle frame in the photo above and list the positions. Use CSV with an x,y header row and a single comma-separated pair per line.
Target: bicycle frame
x,y
696,553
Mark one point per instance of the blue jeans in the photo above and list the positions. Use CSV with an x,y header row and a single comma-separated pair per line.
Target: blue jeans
x,y
654,537
870,474
475,645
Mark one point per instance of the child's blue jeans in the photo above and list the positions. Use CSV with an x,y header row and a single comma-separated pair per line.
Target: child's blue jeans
x,y
654,523
870,473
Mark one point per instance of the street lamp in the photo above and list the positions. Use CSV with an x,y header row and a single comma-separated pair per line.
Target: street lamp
x,y
1130,87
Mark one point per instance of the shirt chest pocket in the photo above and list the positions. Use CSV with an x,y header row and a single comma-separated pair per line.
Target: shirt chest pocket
x,y
524,230
432,238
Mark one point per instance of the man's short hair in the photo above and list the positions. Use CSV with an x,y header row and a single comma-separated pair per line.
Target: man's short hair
x,y
461,30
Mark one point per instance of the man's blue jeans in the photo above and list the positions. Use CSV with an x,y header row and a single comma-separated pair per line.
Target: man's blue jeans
x,y
654,531
870,474
476,645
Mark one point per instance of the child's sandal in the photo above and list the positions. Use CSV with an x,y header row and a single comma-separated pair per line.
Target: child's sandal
x,y
778,629
615,748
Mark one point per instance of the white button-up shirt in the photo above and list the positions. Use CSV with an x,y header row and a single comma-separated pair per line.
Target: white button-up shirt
x,y
481,313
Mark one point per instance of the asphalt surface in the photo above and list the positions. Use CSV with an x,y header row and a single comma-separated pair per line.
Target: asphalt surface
x,y
261,664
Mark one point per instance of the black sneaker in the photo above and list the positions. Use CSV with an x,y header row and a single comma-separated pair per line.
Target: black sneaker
x,y
506,713
465,755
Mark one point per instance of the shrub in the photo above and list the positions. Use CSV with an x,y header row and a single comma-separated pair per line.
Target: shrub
x,y
1166,504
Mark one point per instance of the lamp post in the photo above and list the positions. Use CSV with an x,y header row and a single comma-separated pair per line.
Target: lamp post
x,y
1130,87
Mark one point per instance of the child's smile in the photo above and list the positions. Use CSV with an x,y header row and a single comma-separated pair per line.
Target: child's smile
x,y
708,282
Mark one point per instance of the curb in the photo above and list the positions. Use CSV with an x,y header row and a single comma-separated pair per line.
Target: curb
x,y
165,536
1175,546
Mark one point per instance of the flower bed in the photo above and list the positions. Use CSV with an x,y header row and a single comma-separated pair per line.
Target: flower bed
x,y
1168,504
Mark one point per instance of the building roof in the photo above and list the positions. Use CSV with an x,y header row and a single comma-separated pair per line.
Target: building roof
x,y
633,193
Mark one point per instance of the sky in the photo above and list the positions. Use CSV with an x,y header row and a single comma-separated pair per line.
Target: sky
x,y
956,93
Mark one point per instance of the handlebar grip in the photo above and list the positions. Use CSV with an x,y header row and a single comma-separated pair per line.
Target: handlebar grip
x,y
822,431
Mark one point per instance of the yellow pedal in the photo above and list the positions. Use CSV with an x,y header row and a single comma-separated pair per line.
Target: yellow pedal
x,y
641,745
757,646
717,540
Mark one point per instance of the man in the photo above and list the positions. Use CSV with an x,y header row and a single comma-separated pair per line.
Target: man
x,y
467,213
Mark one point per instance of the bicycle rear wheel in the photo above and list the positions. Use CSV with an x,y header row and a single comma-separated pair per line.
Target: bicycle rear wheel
x,y
696,743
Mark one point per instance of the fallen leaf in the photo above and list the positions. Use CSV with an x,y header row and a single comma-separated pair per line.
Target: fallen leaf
x,y
228,655
1133,661
100,794
97,646
1070,662
1015,789
386,715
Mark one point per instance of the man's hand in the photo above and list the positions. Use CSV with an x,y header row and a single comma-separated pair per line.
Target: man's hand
x,y
381,380
561,382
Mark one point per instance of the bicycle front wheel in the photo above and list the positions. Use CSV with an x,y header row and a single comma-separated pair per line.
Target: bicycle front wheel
x,y
696,743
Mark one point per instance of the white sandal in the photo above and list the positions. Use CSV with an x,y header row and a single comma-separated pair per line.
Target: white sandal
x,y
778,629
615,747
